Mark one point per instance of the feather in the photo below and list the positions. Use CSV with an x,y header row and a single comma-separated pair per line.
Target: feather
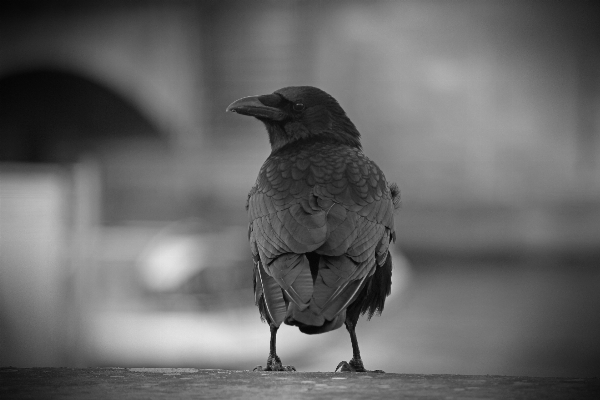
x,y
339,303
273,296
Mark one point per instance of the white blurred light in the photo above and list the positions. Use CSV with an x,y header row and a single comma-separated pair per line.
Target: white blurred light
x,y
172,260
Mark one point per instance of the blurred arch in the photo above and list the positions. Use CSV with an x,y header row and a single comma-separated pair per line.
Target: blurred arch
x,y
55,115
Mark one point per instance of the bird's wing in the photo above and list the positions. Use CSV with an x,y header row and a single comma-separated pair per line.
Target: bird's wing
x,y
361,229
331,200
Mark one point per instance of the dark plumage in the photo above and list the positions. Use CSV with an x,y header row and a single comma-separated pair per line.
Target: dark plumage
x,y
321,219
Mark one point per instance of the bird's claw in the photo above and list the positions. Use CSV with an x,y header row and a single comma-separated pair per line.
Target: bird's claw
x,y
275,366
284,368
346,367
354,366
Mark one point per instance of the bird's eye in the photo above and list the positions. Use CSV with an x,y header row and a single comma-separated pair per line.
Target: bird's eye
x,y
298,107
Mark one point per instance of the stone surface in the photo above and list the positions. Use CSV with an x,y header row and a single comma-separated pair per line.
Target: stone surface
x,y
159,383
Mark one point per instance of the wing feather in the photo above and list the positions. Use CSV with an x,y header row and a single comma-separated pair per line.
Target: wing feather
x,y
273,296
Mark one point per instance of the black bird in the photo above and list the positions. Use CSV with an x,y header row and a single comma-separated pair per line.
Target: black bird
x,y
320,220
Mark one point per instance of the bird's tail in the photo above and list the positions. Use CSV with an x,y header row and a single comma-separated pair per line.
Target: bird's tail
x,y
311,322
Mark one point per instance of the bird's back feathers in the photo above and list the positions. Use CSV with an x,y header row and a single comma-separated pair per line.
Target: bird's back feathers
x,y
321,220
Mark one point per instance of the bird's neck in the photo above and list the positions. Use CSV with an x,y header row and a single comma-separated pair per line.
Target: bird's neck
x,y
297,146
296,134
280,136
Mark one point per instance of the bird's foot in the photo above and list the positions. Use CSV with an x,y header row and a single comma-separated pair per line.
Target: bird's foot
x,y
354,366
287,368
274,364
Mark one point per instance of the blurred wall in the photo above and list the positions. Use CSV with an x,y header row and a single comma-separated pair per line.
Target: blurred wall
x,y
465,104
147,53
33,317
486,113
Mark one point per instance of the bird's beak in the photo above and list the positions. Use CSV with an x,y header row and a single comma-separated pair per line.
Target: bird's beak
x,y
252,106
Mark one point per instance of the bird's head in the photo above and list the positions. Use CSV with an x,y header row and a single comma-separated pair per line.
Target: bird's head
x,y
299,113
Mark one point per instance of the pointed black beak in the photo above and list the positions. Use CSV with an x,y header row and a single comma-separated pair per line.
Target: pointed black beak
x,y
252,106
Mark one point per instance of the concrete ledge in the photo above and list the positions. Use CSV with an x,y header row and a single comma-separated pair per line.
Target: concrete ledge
x,y
159,383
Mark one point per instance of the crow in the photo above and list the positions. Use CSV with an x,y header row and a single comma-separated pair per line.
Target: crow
x,y
320,220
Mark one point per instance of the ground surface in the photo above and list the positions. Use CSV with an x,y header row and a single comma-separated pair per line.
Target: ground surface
x,y
159,383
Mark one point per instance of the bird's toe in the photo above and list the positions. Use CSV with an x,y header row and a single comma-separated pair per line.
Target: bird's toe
x,y
354,366
274,364
343,366
277,366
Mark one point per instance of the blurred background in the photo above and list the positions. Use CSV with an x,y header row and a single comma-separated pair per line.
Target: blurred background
x,y
123,181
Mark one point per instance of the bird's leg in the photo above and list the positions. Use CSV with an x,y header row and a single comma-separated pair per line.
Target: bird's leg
x,y
274,362
355,364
